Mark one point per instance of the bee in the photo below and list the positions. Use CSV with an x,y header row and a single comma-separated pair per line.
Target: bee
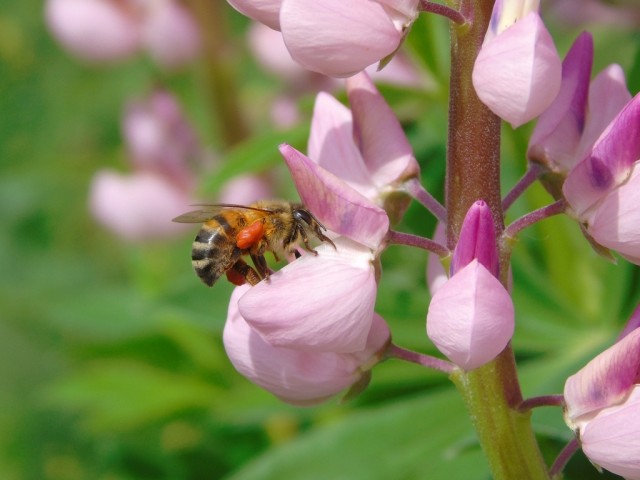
x,y
230,232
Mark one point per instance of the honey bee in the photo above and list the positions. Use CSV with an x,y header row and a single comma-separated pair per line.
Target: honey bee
x,y
230,232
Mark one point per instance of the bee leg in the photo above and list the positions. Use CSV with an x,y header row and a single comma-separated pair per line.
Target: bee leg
x,y
244,271
261,265
307,247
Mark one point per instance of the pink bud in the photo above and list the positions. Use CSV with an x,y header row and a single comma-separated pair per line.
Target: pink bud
x,y
298,376
471,317
94,30
338,38
170,34
518,72
264,11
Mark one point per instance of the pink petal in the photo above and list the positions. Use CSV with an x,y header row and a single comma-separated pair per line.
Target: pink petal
x,y
611,439
377,130
518,73
615,222
402,12
332,147
559,130
605,380
471,317
94,30
632,323
137,207
264,11
317,303
295,376
610,162
170,34
335,37
608,94
337,206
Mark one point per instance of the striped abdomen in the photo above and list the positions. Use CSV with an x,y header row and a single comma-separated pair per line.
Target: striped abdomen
x,y
214,249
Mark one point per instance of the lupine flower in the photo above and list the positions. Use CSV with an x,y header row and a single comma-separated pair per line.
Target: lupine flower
x,y
517,73
603,406
619,14
364,146
471,316
300,376
603,190
567,130
139,205
113,30
333,37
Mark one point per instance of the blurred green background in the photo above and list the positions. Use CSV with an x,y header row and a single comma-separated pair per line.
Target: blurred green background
x,y
111,361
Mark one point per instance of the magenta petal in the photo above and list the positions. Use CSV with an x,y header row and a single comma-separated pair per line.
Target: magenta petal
x,y
317,303
559,129
605,380
609,163
377,131
611,440
471,317
518,73
264,11
477,240
332,147
337,206
335,37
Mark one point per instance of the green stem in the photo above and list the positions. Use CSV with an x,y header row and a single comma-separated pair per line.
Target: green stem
x,y
491,393
219,71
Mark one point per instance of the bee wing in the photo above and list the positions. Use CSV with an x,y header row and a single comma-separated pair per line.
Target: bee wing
x,y
207,212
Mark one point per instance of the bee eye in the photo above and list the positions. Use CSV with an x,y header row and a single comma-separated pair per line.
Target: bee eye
x,y
303,215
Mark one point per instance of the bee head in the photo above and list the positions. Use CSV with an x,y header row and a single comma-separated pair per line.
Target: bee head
x,y
307,222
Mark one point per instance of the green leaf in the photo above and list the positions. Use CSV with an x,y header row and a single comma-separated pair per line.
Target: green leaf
x,y
425,437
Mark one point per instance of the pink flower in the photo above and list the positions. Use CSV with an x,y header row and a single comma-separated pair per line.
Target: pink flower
x,y
113,30
602,190
365,146
300,376
333,37
471,315
139,205
517,73
603,406
567,130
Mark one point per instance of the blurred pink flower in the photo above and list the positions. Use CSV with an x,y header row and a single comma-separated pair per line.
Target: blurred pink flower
x,y
244,190
471,315
567,130
299,376
333,37
139,206
620,14
517,73
603,190
603,406
112,30
162,146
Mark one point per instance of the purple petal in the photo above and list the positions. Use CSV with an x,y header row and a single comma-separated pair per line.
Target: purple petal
x,y
384,146
339,207
317,303
335,37
471,317
559,129
609,163
477,240
518,73
605,380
